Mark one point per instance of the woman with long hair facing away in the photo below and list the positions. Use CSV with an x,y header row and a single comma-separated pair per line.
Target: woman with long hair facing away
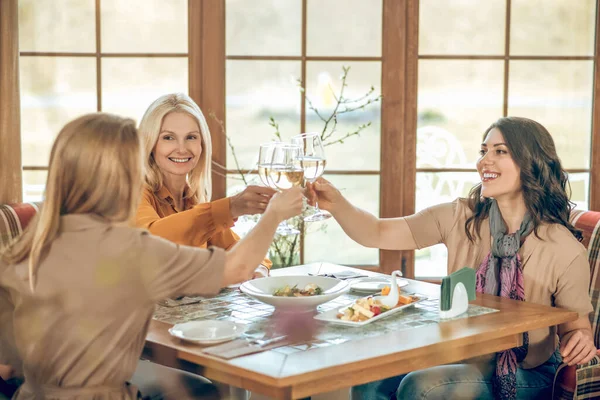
x,y
81,284
514,230
176,197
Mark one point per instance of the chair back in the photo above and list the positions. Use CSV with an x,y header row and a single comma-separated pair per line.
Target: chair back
x,y
589,223
14,218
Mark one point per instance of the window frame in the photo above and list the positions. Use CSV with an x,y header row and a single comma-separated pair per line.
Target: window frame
x,y
399,85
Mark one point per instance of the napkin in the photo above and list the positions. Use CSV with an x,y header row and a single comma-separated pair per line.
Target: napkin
x,y
465,275
181,301
343,275
241,347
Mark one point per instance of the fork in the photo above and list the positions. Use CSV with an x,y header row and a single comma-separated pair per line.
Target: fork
x,y
264,342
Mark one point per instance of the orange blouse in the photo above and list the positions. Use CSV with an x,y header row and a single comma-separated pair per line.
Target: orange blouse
x,y
199,225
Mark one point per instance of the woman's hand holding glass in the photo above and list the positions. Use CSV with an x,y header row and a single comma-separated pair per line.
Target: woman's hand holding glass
x,y
323,192
312,161
286,204
252,200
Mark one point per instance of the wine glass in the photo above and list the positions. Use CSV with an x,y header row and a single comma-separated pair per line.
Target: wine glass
x,y
312,160
285,171
265,161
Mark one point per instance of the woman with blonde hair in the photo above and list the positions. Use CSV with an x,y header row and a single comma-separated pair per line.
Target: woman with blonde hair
x,y
80,285
176,198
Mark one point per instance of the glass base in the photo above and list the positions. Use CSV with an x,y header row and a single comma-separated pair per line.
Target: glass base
x,y
318,216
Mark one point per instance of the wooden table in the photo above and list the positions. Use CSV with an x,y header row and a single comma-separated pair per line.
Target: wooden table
x,y
319,370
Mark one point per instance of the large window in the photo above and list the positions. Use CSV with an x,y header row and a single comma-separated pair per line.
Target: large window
x,y
273,44
447,70
80,56
482,60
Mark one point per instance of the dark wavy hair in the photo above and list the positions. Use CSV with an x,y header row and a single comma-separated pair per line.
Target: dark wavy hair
x,y
543,180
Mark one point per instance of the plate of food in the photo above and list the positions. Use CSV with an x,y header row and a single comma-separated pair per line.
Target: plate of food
x,y
366,310
295,291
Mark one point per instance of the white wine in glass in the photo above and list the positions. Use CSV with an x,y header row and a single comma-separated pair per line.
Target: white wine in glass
x,y
312,160
265,163
285,177
285,171
313,167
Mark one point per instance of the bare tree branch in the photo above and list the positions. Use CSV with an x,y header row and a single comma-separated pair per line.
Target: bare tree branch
x,y
350,134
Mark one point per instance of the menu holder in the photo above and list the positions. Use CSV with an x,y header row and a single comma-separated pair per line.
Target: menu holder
x,y
457,290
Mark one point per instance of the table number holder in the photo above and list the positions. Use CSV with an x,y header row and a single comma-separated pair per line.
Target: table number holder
x,y
456,291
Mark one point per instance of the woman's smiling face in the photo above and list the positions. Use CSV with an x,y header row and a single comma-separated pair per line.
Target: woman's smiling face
x,y
179,144
500,175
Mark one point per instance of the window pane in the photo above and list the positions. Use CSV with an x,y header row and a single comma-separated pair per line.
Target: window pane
x,y
34,183
264,27
256,91
432,189
462,27
54,90
344,28
557,94
323,87
457,101
580,190
129,85
59,25
144,26
552,27
327,241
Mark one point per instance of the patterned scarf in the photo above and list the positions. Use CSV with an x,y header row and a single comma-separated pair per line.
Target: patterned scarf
x,y
501,274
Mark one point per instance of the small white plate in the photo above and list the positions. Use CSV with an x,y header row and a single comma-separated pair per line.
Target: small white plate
x,y
331,315
374,284
208,331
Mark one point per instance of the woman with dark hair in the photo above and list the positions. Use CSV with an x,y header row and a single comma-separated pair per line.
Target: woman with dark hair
x,y
514,230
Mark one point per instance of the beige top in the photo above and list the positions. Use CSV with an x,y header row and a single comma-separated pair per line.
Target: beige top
x,y
81,333
555,268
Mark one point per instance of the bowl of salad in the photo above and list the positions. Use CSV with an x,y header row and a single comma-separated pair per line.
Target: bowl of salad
x,y
295,291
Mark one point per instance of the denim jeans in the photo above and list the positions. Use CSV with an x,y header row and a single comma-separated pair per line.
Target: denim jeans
x,y
460,381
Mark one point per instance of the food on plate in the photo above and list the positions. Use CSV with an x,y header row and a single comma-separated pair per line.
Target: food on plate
x,y
406,299
386,290
309,290
368,307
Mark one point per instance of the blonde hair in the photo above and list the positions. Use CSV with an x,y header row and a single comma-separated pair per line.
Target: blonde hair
x,y
95,168
199,178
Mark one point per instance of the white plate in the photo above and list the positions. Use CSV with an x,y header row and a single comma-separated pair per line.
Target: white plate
x,y
374,284
208,331
262,289
331,315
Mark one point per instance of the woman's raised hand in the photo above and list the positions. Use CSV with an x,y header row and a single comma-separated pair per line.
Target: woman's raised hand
x,y
324,192
286,204
252,200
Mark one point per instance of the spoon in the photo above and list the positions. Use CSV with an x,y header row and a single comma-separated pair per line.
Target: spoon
x,y
392,298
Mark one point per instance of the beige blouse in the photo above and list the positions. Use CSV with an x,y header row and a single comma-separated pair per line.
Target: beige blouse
x,y
81,333
555,268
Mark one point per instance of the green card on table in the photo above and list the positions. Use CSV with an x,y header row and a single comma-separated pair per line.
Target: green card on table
x,y
465,275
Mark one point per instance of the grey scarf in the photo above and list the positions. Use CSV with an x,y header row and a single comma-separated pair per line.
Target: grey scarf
x,y
501,274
